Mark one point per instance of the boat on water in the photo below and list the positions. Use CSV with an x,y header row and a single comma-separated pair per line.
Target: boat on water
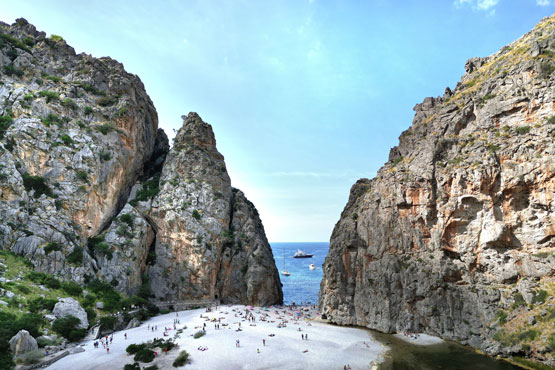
x,y
284,272
300,254
311,266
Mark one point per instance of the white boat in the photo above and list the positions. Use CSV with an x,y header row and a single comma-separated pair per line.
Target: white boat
x,y
311,266
284,272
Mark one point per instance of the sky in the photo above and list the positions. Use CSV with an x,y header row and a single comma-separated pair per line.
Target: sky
x,y
305,96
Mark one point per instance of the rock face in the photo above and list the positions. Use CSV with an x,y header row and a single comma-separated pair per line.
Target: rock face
x,y
23,342
70,307
210,243
455,235
89,187
75,134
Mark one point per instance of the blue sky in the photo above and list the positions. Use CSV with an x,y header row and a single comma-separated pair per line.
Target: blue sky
x,y
305,97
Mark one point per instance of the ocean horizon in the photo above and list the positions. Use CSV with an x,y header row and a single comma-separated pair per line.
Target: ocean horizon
x,y
303,285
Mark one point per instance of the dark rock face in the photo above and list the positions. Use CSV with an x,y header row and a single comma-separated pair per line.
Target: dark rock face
x,y
90,188
458,226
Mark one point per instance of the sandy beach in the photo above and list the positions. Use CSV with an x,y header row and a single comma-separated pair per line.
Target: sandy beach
x,y
419,339
325,347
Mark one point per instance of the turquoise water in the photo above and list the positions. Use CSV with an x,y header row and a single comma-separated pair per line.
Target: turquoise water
x,y
303,285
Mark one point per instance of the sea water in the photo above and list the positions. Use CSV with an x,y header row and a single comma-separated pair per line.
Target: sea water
x,y
303,284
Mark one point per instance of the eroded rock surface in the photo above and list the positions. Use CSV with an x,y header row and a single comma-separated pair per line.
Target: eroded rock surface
x,y
89,187
75,134
23,342
210,243
457,229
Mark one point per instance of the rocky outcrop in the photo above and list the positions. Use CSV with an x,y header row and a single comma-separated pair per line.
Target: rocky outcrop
x,y
70,307
455,234
129,239
210,243
90,189
23,342
75,133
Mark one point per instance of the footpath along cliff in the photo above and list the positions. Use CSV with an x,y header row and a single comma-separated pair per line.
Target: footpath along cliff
x,y
89,187
455,235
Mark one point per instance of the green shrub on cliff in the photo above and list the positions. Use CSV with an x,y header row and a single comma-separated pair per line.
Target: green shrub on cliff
x,y
127,218
69,103
5,123
76,256
44,279
539,296
11,70
52,246
51,119
150,189
40,303
49,95
72,288
502,316
196,215
36,183
97,245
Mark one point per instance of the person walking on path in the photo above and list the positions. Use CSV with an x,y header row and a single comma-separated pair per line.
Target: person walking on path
x,y
264,342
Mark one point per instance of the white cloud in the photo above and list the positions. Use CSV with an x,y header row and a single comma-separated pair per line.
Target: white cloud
x,y
543,2
486,5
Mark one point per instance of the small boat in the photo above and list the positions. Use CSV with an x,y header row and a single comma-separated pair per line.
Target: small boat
x,y
284,272
311,266
300,254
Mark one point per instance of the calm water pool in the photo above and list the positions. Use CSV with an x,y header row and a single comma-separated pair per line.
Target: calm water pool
x,y
442,356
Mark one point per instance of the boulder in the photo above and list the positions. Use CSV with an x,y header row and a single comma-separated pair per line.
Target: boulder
x,y
69,306
23,342
134,323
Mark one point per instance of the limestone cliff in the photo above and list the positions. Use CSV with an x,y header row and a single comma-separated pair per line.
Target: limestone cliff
x,y
90,188
210,242
455,234
76,131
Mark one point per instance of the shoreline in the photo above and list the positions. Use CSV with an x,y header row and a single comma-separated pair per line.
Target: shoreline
x,y
419,339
